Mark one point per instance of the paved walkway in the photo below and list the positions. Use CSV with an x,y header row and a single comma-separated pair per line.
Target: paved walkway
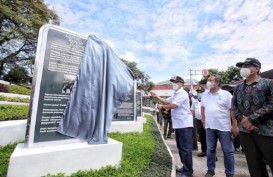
x,y
200,164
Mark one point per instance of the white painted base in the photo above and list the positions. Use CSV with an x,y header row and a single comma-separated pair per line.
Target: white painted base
x,y
12,131
14,95
68,159
141,119
126,126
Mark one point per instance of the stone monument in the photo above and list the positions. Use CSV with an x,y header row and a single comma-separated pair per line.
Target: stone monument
x,y
59,53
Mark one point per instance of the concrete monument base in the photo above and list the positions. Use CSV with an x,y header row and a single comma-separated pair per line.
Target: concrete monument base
x,y
141,119
12,131
68,159
126,126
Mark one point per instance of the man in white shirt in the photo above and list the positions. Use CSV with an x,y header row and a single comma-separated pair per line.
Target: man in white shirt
x,y
196,112
215,112
182,123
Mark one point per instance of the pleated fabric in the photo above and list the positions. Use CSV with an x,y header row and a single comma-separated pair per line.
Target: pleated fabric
x,y
102,83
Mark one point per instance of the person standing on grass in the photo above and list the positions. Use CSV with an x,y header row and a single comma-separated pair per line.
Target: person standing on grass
x,y
182,123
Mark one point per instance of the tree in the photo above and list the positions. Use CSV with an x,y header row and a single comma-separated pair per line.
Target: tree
x,y
20,22
18,75
233,74
143,82
230,76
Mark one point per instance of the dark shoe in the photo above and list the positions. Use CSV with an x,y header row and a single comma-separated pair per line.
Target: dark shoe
x,y
209,174
165,137
202,154
179,170
169,136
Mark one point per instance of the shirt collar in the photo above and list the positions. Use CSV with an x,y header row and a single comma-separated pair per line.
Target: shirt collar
x,y
220,90
258,79
179,90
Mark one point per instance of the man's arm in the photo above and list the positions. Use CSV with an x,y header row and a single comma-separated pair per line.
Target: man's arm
x,y
237,113
162,100
192,110
239,116
168,106
267,108
203,115
234,128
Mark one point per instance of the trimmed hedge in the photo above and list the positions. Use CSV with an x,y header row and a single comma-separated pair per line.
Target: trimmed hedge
x,y
13,112
15,89
14,99
19,90
5,153
161,161
143,155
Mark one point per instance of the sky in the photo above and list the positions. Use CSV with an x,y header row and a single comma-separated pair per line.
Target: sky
x,y
169,37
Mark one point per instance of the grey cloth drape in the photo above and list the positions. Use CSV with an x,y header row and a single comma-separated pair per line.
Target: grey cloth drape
x,y
102,83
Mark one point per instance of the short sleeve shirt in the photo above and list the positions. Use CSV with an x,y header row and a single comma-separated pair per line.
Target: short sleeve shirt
x,y
196,107
217,109
181,115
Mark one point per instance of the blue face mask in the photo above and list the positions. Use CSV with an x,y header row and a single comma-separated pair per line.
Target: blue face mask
x,y
199,95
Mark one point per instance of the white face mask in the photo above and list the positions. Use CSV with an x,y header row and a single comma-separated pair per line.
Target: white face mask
x,y
209,85
245,72
175,86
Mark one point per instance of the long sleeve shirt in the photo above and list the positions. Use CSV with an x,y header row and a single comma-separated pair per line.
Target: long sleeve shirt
x,y
255,101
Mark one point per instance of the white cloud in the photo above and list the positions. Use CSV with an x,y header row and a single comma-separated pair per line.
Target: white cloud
x,y
129,56
168,38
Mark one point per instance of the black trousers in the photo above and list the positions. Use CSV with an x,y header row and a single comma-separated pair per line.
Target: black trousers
x,y
236,142
257,148
202,135
184,145
166,123
194,135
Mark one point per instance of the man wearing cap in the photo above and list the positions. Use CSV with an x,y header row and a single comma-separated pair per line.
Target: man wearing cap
x,y
253,107
182,123
196,112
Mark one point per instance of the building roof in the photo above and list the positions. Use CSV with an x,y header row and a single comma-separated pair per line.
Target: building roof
x,y
187,82
267,74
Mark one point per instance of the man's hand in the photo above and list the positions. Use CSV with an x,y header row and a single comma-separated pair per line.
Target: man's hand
x,y
159,106
235,130
247,124
154,95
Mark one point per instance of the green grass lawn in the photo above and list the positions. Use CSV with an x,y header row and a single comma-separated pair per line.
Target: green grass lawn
x,y
143,155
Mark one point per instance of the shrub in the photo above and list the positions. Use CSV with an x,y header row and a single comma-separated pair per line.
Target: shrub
x,y
5,153
3,88
13,112
18,90
14,99
161,161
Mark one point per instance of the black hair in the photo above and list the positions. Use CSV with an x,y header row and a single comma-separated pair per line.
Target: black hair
x,y
218,78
